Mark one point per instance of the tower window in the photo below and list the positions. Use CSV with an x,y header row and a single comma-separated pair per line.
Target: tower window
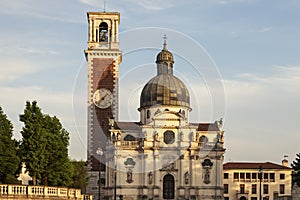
x,y
169,137
103,32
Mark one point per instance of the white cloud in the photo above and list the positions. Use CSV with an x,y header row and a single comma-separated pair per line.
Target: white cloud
x,y
60,9
151,5
31,50
12,70
155,4
234,1
265,29
246,31
261,110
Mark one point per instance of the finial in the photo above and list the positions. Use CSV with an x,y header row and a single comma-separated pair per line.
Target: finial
x,y
165,42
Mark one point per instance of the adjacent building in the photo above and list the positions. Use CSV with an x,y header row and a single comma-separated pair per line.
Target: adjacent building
x,y
249,180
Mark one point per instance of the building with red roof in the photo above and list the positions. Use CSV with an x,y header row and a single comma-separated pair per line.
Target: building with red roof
x,y
257,181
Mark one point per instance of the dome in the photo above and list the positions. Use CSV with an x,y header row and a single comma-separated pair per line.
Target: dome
x,y
164,56
165,88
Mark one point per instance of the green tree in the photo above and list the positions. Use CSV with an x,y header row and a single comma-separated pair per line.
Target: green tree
x,y
80,178
9,161
33,144
59,167
296,166
44,147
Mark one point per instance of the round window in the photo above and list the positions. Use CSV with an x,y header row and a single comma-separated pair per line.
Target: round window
x,y
169,137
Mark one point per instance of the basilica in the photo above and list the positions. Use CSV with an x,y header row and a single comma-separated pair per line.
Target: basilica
x,y
163,155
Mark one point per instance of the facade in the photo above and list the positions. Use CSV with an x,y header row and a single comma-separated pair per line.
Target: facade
x,y
247,181
163,156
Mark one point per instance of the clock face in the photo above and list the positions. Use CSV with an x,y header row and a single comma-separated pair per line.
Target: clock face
x,y
102,98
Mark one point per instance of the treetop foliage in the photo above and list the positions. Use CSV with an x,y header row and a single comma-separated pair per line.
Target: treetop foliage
x,y
296,166
9,161
44,147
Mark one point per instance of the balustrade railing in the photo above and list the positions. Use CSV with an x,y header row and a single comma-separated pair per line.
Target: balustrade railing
x,y
44,191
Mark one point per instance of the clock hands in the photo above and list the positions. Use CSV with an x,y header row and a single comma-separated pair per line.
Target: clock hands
x,y
104,97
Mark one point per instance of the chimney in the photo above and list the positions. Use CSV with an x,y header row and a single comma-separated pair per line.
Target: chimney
x,y
285,162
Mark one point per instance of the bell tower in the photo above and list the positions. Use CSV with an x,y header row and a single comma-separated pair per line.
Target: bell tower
x,y
103,57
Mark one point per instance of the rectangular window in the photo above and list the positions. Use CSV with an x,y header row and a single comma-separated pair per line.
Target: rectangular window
x,y
254,176
253,198
225,175
260,175
281,188
282,176
254,189
242,188
226,198
248,175
225,188
236,175
266,189
266,176
242,175
272,177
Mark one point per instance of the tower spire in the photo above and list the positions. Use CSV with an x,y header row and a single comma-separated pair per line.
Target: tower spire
x,y
165,42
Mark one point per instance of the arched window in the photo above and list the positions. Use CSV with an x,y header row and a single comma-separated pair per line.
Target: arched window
x,y
103,32
203,140
243,198
129,138
183,113
168,187
169,137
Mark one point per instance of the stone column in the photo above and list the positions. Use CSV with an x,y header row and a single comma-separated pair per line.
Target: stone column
x,y
112,30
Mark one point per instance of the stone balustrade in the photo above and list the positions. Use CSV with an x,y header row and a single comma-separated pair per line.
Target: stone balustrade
x,y
40,192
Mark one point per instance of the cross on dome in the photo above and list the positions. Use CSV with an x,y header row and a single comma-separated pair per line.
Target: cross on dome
x,y
165,41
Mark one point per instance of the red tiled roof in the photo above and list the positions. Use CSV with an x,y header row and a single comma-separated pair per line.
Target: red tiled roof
x,y
253,165
206,126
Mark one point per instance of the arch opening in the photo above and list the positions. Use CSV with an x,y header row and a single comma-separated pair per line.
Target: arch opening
x,y
168,187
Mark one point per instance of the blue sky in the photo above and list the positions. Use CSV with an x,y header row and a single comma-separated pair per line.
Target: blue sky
x,y
254,45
